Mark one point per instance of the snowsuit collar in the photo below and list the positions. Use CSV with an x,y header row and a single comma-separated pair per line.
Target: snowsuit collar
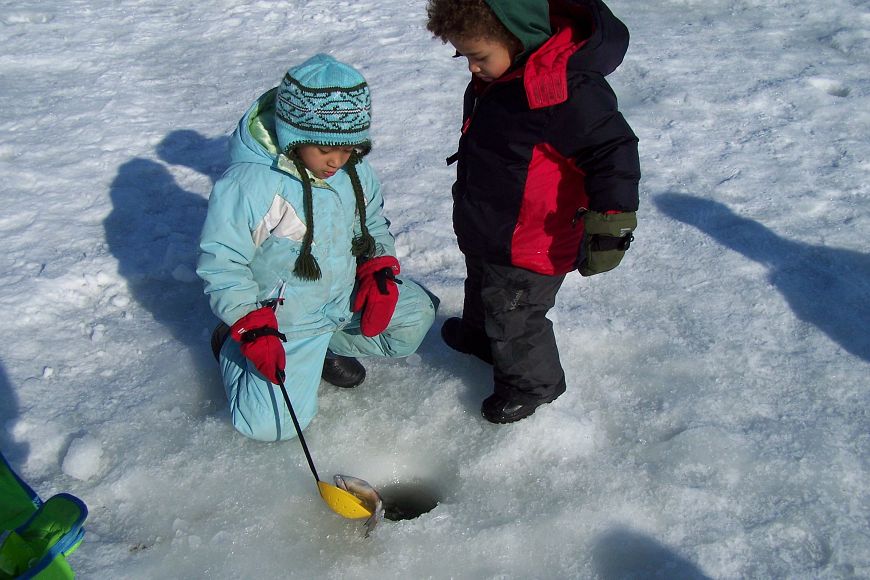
x,y
587,37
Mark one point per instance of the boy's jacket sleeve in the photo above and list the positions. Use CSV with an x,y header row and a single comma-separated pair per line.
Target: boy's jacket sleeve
x,y
226,250
590,129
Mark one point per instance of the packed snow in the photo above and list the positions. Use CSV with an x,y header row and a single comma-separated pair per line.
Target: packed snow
x,y
716,422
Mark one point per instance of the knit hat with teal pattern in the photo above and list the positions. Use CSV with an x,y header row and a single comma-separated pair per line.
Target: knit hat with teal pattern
x,y
325,102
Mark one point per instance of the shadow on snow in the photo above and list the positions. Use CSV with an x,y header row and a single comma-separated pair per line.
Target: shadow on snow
x,y
826,287
14,452
622,553
154,229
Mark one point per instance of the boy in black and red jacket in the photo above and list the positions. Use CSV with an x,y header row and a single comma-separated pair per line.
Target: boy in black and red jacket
x,y
547,179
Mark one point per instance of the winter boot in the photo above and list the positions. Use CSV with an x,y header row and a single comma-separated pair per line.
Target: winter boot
x,y
466,340
218,338
343,371
497,409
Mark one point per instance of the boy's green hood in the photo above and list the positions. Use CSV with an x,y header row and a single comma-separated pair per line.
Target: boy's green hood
x,y
528,20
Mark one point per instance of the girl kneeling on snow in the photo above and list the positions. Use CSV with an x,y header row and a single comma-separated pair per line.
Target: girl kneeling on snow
x,y
293,226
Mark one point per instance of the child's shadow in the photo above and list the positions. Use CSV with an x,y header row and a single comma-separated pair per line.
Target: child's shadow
x,y
153,231
623,553
8,412
827,287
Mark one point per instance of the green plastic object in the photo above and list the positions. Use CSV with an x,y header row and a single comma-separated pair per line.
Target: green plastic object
x,y
36,536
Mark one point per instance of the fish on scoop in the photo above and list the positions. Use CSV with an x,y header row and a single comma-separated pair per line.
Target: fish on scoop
x,y
367,494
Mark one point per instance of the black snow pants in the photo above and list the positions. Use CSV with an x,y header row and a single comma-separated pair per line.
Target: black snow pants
x,y
510,306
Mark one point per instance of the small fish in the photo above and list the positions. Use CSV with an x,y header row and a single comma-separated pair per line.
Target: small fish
x,y
367,494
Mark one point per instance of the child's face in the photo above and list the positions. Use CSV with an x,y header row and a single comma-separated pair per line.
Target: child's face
x,y
323,161
488,59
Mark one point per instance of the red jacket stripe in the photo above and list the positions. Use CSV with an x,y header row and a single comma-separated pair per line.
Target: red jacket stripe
x,y
547,236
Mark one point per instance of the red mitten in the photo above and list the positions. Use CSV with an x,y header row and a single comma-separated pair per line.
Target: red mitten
x,y
377,293
261,342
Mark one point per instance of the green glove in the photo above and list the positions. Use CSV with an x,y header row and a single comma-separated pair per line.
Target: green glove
x,y
607,238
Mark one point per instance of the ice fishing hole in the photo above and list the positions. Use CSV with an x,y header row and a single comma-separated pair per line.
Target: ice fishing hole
x,y
406,501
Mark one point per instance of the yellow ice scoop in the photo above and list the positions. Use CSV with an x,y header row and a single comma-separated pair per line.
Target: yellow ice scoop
x,y
342,502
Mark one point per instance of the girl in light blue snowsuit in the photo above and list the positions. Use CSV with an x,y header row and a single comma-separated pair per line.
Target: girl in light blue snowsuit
x,y
294,225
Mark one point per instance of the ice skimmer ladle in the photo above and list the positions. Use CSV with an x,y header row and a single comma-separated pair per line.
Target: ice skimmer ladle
x,y
340,501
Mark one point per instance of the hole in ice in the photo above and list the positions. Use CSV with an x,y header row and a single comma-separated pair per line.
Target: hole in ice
x,y
406,501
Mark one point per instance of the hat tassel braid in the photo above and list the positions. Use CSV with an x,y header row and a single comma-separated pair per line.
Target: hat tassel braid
x,y
363,245
306,266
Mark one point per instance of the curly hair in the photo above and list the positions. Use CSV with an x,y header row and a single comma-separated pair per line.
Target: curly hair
x,y
468,19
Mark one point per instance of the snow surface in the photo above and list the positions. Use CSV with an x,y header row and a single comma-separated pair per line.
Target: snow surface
x,y
716,421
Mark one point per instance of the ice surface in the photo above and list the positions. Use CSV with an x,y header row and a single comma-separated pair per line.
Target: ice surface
x,y
715,424
82,459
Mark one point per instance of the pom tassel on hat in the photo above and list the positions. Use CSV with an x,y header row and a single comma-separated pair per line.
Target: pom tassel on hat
x,y
364,244
306,266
